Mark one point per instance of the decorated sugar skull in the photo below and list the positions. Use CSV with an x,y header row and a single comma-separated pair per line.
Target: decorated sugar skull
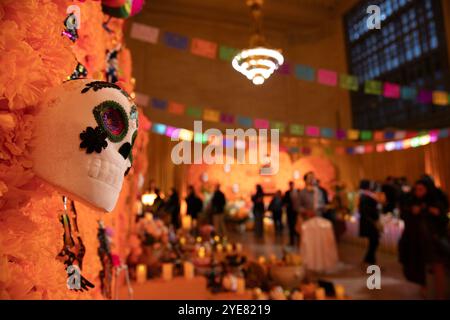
x,y
84,133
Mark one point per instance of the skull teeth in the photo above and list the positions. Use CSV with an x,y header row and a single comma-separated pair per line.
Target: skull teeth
x,y
105,171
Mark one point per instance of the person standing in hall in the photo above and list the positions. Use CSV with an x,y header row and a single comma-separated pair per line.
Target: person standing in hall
x,y
276,207
311,199
424,245
218,203
291,202
369,224
194,204
172,207
258,211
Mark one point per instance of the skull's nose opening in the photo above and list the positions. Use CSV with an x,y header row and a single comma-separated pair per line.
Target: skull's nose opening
x,y
125,150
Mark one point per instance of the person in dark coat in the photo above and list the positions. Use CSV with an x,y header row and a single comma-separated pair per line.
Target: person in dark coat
x,y
369,220
194,204
424,242
172,207
276,207
218,203
258,211
158,205
291,201
389,189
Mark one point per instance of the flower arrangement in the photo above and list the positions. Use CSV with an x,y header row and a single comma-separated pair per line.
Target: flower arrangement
x,y
39,57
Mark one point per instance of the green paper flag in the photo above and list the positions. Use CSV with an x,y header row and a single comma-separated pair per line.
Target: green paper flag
x,y
194,112
366,135
348,82
278,125
227,53
373,87
297,130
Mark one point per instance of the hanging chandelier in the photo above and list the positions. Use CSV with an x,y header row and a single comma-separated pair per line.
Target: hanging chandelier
x,y
258,62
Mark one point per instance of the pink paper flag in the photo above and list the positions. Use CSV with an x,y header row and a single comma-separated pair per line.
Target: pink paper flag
x,y
391,90
312,131
204,48
142,99
261,124
145,33
327,77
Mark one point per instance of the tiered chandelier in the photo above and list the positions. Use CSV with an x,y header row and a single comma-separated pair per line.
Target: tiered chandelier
x,y
258,62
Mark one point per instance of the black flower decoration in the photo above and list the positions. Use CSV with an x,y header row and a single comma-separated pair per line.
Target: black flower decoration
x,y
98,85
93,140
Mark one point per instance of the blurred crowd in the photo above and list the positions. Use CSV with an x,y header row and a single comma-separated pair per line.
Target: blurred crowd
x,y
423,249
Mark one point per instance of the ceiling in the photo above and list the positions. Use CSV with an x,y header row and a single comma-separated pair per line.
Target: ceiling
x,y
298,18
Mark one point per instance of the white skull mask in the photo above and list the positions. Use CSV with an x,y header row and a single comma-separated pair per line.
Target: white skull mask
x,y
84,134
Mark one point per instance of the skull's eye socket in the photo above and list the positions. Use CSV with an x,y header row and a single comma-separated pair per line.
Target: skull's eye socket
x,y
113,119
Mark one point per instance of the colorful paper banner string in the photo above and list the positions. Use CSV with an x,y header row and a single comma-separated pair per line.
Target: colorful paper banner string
x,y
212,115
422,139
212,50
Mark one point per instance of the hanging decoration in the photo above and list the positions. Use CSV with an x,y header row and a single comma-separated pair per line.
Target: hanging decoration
x,y
122,8
112,65
293,147
73,250
98,135
71,24
325,77
80,72
293,129
106,259
259,61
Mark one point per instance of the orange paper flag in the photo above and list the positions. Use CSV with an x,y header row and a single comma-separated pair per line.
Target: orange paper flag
x,y
211,115
176,108
204,48
440,98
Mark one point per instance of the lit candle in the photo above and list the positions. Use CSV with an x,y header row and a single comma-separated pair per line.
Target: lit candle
x,y
320,294
201,252
229,248
141,273
240,286
182,241
216,238
186,222
219,248
167,269
298,295
238,247
262,260
188,270
340,292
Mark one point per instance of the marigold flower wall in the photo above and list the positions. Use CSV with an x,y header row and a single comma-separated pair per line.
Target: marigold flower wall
x,y
35,56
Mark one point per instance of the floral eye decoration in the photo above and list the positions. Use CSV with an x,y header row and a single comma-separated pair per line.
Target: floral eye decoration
x,y
113,119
